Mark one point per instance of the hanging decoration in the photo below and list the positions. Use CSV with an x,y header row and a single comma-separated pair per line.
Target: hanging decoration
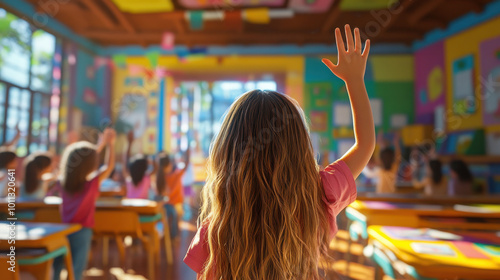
x,y
257,15
195,20
119,60
153,58
168,41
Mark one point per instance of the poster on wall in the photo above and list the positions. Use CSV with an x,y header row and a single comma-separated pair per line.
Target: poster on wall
x,y
319,121
463,86
342,115
133,113
376,105
489,55
430,86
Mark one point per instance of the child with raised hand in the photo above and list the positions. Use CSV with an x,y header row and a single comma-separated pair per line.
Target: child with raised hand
x,y
137,173
268,212
8,160
38,176
80,180
169,184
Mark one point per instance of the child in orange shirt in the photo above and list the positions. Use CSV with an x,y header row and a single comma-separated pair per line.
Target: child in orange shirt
x,y
169,184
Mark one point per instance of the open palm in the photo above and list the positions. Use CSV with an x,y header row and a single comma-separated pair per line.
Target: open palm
x,y
351,63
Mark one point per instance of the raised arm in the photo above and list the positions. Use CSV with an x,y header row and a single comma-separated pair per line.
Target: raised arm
x,y
350,68
187,159
130,140
109,136
14,140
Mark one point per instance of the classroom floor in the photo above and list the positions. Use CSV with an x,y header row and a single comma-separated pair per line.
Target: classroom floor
x,y
136,267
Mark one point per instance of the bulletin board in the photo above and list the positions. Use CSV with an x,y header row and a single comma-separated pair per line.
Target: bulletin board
x,y
430,84
489,56
464,102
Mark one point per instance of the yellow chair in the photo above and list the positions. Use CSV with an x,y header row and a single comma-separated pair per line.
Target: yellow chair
x,y
119,224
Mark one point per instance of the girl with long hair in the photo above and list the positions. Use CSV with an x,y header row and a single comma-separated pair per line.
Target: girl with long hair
x,y
80,180
268,212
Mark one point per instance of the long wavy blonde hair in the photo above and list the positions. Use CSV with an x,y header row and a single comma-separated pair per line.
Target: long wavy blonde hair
x,y
263,198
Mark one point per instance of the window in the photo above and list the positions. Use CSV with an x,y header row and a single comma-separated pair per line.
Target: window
x,y
29,84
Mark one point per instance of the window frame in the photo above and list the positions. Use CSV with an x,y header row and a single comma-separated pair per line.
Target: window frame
x,y
32,92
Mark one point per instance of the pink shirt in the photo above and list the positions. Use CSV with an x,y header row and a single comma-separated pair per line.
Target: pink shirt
x,y
340,191
139,191
79,208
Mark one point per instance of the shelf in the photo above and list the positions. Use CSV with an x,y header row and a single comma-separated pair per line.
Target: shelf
x,y
471,159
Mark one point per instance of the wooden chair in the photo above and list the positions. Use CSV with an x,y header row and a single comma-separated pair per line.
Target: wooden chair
x,y
47,215
37,262
157,227
4,266
119,224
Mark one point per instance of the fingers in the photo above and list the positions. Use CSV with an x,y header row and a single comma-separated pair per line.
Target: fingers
x,y
339,41
329,64
349,38
367,49
357,42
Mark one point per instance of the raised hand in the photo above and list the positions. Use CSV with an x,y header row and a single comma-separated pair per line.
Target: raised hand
x,y
109,136
351,63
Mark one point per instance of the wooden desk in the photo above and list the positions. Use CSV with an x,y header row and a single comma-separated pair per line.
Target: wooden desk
x,y
431,254
423,199
419,215
150,213
46,236
140,206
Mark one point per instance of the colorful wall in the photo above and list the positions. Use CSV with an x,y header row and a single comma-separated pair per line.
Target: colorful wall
x,y
389,82
457,82
85,92
134,76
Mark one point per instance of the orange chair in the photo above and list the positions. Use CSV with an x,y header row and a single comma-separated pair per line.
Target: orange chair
x,y
4,266
47,215
119,224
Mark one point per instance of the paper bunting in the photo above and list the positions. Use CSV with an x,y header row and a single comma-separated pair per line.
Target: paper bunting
x,y
196,20
153,58
233,20
168,41
257,15
120,60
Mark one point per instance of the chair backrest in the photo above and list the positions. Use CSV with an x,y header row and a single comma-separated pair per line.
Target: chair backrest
x,y
4,266
117,222
48,215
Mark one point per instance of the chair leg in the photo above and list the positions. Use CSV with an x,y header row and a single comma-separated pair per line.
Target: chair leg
x,y
105,251
121,250
68,261
148,245
168,241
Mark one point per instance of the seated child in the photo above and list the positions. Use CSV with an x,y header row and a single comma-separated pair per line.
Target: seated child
x,y
268,212
8,160
38,176
462,180
434,183
386,171
136,174
169,184
80,180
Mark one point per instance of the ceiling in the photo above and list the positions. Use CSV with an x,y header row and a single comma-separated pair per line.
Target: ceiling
x,y
106,23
